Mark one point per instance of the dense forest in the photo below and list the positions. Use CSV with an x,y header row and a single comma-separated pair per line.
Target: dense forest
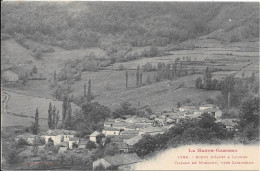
x,y
113,25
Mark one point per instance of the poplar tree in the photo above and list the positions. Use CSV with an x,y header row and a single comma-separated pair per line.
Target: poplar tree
x,y
50,116
36,118
85,91
141,79
138,76
64,107
126,78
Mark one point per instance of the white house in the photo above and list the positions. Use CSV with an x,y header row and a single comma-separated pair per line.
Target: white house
x,y
67,134
206,106
214,112
72,141
93,136
55,135
187,108
110,131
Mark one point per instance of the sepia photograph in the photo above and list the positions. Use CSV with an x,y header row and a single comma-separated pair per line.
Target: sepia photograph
x,y
129,85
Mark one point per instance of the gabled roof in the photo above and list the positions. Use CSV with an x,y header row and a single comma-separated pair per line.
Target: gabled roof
x,y
74,139
110,129
211,110
122,159
152,129
133,140
94,134
127,136
127,132
207,105
54,132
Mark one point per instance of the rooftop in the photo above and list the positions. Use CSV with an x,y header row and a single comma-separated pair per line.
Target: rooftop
x,y
122,159
94,134
110,129
126,132
74,139
133,140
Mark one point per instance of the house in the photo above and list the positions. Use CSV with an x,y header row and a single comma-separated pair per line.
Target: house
x,y
206,106
122,161
110,131
214,112
151,130
82,144
56,135
67,134
26,136
93,136
228,123
72,141
187,108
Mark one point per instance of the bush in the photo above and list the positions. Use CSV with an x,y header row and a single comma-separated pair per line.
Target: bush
x,y
21,143
90,145
121,67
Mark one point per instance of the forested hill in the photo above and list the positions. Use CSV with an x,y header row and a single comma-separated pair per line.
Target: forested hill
x,y
73,25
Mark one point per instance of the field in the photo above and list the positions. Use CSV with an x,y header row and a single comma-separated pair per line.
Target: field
x,y
24,105
108,85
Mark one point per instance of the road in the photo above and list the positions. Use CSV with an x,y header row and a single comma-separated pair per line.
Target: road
x,y
6,100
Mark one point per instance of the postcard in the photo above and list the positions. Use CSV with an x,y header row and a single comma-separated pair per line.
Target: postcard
x,y
129,85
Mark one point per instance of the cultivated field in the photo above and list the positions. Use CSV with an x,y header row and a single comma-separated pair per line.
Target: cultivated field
x,y
24,105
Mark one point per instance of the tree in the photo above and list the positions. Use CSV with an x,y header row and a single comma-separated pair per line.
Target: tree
x,y
207,79
178,104
55,77
198,82
154,51
126,78
75,145
50,116
64,107
141,79
145,146
227,87
36,118
85,91
125,109
90,96
148,80
90,145
68,120
12,157
138,76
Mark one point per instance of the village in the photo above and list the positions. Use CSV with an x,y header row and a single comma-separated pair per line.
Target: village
x,y
123,133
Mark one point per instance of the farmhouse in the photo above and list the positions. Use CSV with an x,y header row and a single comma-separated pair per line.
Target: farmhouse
x,y
122,161
82,144
93,136
55,135
187,108
132,141
206,106
68,134
228,123
110,131
214,112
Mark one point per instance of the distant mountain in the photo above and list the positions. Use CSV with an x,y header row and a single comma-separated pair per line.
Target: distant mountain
x,y
107,25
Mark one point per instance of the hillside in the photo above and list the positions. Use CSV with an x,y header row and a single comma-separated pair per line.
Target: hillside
x,y
126,24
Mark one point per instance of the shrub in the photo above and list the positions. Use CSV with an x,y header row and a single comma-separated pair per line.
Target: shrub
x,y
90,145
121,67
